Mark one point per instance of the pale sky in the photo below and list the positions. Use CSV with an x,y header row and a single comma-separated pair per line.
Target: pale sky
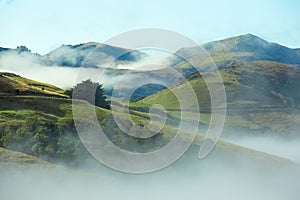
x,y
45,25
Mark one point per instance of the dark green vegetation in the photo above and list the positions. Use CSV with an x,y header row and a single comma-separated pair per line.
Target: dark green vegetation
x,y
91,92
35,118
39,126
43,126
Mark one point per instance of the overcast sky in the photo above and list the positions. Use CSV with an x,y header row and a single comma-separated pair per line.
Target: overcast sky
x,y
45,25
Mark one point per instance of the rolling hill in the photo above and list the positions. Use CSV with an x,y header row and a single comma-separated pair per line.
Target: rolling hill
x,y
12,84
42,126
261,95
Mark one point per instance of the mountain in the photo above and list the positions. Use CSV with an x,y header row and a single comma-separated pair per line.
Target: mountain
x,y
242,48
75,55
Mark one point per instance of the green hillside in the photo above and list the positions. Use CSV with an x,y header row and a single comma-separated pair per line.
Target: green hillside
x,y
256,84
12,84
261,95
43,127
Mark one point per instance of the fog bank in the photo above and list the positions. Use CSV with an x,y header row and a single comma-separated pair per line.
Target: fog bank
x,y
213,178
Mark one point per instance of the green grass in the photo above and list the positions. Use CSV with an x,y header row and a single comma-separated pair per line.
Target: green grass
x,y
260,95
11,84
168,99
16,117
55,106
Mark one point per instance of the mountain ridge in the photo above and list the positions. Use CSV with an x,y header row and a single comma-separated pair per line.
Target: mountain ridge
x,y
252,47
78,54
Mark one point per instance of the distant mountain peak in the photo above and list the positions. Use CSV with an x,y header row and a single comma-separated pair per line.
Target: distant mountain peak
x,y
247,47
247,36
245,43
75,55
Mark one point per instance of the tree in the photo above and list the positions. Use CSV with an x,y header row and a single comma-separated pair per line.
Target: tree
x,y
69,92
91,92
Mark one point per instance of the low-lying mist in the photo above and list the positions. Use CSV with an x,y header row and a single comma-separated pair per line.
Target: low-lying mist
x,y
219,176
31,66
271,143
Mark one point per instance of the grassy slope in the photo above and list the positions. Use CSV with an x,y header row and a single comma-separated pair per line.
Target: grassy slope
x,y
260,95
14,110
219,59
11,84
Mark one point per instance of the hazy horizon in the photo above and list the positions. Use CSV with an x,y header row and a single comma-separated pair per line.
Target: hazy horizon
x,y
99,42
43,26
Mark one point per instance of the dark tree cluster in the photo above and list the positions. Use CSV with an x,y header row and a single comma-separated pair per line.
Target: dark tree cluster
x,y
91,92
44,138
